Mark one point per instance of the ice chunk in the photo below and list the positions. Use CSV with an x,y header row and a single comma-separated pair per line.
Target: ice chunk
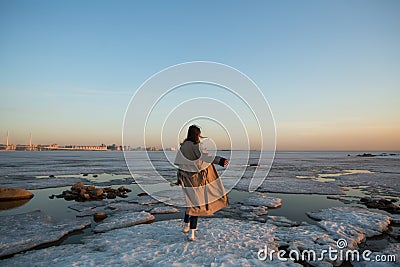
x,y
351,223
162,210
122,220
126,206
262,200
24,231
282,221
147,200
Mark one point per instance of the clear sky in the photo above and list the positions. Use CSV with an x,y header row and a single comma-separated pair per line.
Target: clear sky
x,y
329,69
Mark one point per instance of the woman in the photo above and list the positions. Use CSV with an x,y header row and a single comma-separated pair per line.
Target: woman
x,y
204,191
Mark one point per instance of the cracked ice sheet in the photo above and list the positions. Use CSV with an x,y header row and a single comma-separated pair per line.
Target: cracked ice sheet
x,y
24,231
298,186
220,242
351,223
262,200
109,206
148,200
122,220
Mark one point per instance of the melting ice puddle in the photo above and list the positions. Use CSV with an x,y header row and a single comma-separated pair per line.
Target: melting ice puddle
x,y
325,177
95,178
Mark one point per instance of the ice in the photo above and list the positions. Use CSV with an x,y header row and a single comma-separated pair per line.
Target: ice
x,y
122,220
262,200
351,223
31,183
239,211
305,237
164,210
395,218
147,200
392,250
24,231
126,206
36,183
299,186
220,242
84,206
282,221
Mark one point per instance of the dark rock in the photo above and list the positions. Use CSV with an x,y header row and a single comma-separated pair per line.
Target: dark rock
x,y
99,216
91,188
80,192
77,185
99,192
253,165
366,155
111,195
95,175
121,189
51,176
142,194
122,194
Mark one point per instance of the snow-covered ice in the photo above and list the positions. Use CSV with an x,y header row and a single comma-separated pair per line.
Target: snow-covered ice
x,y
282,221
351,223
121,220
147,200
299,186
259,199
25,231
220,242
163,210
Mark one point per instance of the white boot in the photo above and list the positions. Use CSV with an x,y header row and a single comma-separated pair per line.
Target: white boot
x,y
186,227
191,236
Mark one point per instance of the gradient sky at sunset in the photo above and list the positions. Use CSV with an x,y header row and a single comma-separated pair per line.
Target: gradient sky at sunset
x,y
330,70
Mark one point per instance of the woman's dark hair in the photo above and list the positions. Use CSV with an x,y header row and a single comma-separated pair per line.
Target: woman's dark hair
x,y
194,134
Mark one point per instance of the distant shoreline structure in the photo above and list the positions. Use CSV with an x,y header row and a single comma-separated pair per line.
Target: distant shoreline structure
x,y
40,147
56,147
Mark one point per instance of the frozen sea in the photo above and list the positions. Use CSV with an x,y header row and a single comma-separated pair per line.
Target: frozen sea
x,y
305,181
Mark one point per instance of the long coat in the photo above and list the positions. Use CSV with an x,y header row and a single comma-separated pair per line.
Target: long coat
x,y
203,189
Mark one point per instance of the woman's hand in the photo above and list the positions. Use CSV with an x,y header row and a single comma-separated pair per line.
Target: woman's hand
x,y
226,163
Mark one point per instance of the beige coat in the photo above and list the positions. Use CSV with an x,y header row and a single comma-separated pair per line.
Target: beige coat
x,y
204,192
